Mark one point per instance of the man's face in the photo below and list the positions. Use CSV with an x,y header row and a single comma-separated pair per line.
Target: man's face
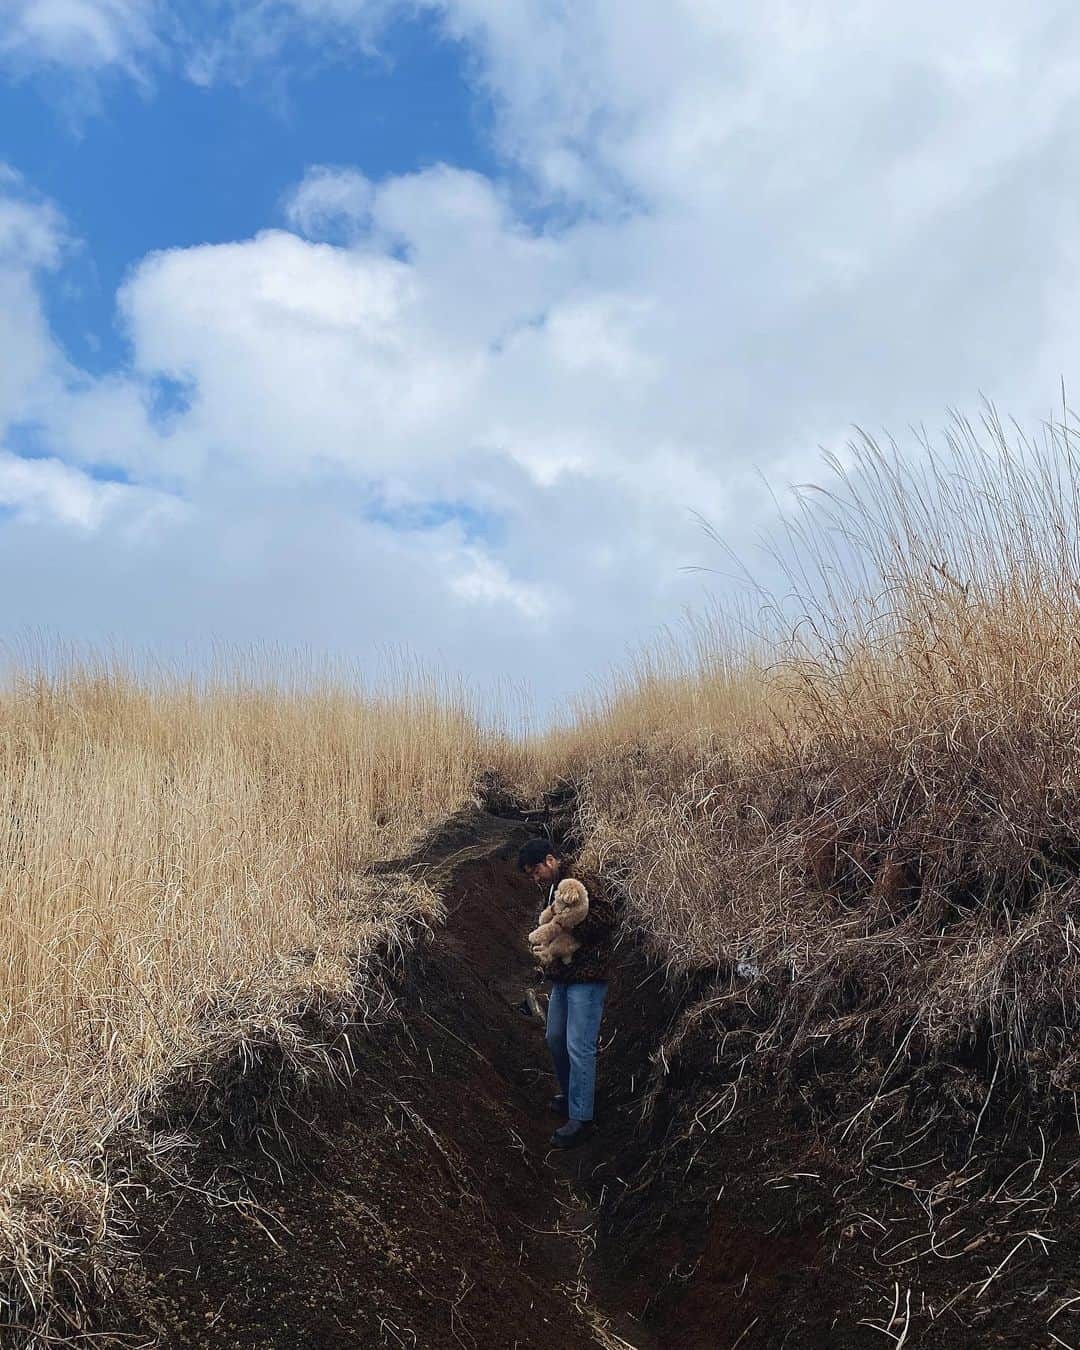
x,y
544,873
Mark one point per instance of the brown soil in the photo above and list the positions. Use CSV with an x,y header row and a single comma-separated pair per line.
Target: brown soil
x,y
738,1212
432,1212
424,1208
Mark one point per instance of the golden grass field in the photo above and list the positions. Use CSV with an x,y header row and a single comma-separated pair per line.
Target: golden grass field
x,y
869,782
162,843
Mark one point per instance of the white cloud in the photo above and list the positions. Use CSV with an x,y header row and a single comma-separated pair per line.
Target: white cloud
x,y
330,201
87,35
32,233
480,420
244,36
47,490
32,239
37,384
686,99
486,581
210,41
300,354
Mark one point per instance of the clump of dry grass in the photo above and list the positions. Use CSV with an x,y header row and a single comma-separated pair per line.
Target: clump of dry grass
x,y
876,799
854,841
61,1239
182,869
263,1057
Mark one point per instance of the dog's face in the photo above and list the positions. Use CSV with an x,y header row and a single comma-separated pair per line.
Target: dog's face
x,y
571,901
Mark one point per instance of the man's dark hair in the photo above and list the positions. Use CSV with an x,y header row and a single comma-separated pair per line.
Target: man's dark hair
x,y
533,852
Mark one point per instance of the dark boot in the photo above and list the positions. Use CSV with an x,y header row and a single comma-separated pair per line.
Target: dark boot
x,y
559,1105
573,1133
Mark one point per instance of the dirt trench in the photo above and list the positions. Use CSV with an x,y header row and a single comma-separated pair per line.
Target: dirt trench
x,y
425,1208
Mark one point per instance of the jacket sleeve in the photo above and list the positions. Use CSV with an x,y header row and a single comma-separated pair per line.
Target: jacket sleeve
x,y
596,928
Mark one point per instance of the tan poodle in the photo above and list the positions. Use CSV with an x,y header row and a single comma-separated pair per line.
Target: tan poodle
x,y
553,938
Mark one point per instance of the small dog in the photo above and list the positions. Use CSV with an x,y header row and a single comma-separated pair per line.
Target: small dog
x,y
553,939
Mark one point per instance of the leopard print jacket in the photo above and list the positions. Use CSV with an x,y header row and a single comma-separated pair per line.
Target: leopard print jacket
x,y
592,960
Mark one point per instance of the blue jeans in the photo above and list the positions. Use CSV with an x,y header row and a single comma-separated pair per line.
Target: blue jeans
x,y
573,1023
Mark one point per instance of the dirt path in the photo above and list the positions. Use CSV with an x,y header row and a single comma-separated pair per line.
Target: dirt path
x,y
431,1212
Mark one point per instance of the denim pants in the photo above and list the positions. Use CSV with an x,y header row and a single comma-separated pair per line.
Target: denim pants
x,y
573,1023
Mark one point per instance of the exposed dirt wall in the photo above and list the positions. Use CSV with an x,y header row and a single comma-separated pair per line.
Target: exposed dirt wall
x,y
723,1203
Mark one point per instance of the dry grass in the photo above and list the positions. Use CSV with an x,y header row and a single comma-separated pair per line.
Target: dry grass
x,y
858,836
160,844
187,923
875,796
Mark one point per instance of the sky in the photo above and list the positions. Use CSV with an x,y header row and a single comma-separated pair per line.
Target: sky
x,y
439,326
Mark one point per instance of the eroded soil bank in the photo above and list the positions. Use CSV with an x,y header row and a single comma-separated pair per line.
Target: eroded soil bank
x,y
423,1207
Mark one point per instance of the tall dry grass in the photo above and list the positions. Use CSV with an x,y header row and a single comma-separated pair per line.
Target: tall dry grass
x,y
853,836
162,842
873,796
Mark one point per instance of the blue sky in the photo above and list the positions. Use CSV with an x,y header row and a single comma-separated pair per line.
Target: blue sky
x,y
174,163
353,325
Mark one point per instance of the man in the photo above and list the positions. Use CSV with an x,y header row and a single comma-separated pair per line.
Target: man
x,y
576,1002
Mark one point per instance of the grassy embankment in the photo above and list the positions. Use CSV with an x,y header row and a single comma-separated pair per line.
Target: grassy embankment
x,y
876,807
878,801
179,864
